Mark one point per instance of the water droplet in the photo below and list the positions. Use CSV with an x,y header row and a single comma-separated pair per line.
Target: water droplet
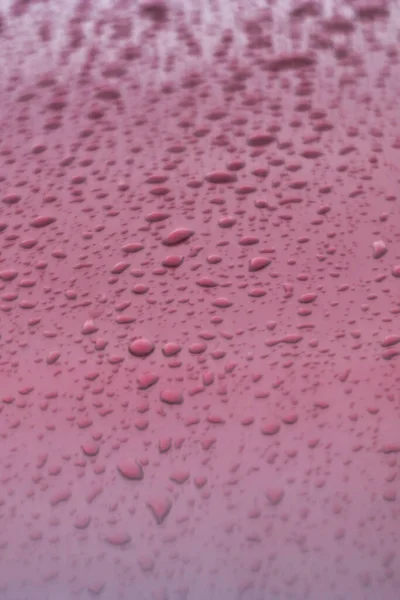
x,y
379,249
131,469
141,347
178,236
169,396
42,221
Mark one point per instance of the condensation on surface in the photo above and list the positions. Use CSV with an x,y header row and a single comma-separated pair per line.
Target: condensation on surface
x,y
200,300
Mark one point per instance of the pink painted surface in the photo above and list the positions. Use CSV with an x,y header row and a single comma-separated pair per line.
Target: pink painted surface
x,y
200,300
